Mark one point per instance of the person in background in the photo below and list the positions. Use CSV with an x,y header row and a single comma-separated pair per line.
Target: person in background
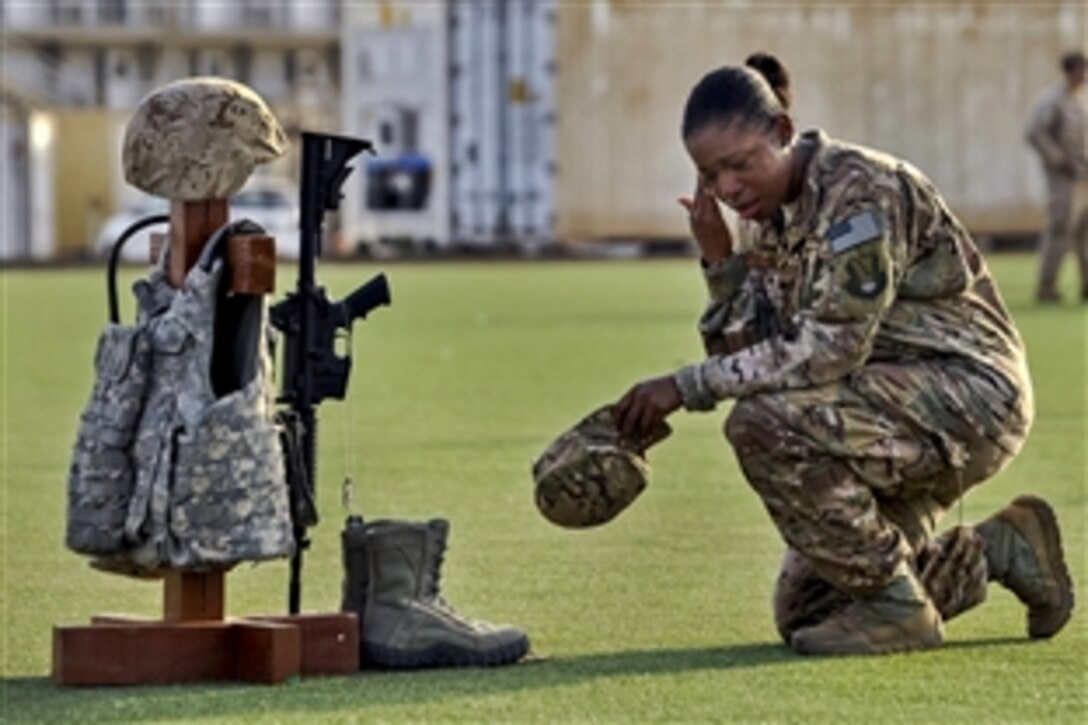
x,y
875,372
1058,131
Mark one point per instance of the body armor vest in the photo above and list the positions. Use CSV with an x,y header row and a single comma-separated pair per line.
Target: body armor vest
x,y
177,460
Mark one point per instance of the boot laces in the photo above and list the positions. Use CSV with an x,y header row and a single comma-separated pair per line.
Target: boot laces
x,y
434,591
851,616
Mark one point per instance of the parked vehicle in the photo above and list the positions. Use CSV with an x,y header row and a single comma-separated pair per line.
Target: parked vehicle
x,y
271,202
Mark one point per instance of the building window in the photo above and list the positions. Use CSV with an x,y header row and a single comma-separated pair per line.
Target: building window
x,y
67,12
262,13
242,55
290,66
169,13
112,12
147,59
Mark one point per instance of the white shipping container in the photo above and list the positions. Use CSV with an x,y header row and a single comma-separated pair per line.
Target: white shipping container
x,y
501,118
459,98
394,95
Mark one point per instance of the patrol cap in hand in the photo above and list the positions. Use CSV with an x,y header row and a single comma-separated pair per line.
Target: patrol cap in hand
x,y
590,474
199,138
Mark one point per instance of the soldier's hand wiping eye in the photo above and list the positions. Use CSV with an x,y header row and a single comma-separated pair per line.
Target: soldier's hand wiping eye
x,y
707,225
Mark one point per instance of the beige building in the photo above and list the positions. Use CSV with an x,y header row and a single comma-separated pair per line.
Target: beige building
x,y
946,85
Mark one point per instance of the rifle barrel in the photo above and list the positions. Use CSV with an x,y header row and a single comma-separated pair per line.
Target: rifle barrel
x,y
324,169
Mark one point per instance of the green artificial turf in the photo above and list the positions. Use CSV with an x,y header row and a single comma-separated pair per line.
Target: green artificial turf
x,y
664,614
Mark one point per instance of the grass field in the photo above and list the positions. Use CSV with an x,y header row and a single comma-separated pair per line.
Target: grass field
x,y
662,615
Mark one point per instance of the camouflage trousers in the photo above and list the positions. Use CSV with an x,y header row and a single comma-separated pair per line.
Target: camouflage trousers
x,y
857,473
1067,228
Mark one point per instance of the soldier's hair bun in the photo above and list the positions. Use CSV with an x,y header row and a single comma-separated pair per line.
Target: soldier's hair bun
x,y
776,75
757,93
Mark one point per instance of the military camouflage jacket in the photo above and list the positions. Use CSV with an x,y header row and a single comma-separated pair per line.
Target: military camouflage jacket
x,y
870,266
1058,129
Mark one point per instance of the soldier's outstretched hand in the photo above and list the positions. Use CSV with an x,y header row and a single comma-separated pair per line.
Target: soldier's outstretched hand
x,y
707,224
644,406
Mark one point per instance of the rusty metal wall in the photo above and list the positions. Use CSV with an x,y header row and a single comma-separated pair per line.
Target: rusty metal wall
x,y
946,85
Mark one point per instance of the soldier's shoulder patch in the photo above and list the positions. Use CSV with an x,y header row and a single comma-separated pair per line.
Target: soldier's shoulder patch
x,y
855,230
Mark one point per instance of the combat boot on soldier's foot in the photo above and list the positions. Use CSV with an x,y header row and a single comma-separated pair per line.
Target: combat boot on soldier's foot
x,y
406,621
897,618
1024,552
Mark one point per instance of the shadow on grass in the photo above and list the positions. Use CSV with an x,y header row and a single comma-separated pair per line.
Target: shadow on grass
x,y
39,700
983,643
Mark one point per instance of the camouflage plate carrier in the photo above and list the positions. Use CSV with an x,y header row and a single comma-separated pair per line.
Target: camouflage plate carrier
x,y
177,461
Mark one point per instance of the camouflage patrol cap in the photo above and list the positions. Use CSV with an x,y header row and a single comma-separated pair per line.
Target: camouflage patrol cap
x,y
199,138
590,474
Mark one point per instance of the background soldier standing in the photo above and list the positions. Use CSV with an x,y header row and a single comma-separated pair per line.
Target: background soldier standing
x,y
876,372
1058,130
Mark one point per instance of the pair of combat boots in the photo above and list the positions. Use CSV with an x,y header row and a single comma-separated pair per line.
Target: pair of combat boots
x,y
1023,552
391,581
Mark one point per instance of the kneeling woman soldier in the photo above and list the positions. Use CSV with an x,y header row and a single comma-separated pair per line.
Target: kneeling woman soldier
x,y
876,372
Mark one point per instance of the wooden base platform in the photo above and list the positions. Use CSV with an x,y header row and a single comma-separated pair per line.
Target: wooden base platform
x,y
192,644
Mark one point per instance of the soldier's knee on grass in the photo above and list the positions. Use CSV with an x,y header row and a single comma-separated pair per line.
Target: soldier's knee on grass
x,y
802,598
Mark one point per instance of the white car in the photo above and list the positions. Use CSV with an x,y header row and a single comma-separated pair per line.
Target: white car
x,y
271,202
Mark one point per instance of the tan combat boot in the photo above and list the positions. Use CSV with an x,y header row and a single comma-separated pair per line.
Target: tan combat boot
x,y
899,617
406,623
1024,552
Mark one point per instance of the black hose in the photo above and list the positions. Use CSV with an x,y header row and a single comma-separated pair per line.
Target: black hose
x,y
115,254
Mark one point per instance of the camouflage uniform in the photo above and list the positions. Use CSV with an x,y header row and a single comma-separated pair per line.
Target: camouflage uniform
x,y
877,374
101,475
1058,130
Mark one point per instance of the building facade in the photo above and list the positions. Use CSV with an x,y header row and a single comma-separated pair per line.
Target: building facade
x,y
523,121
83,65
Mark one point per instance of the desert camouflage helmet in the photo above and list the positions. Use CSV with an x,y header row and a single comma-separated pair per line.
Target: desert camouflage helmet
x,y
199,138
589,474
